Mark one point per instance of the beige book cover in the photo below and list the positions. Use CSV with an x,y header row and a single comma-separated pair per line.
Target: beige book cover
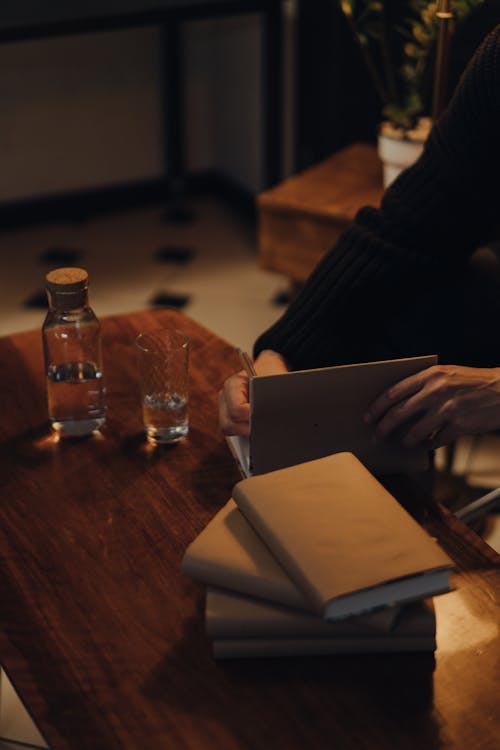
x,y
229,554
341,537
232,615
303,415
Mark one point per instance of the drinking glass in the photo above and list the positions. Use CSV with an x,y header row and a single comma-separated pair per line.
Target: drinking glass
x,y
163,358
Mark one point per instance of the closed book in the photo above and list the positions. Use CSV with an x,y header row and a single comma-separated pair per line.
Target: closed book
x,y
229,554
241,627
232,615
341,537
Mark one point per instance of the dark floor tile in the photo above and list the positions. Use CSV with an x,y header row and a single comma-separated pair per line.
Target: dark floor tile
x,y
180,254
61,256
178,214
37,300
168,299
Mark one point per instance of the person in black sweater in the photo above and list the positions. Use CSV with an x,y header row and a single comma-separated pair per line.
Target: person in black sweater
x,y
403,280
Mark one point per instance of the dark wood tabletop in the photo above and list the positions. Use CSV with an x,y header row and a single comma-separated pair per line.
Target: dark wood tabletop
x,y
103,637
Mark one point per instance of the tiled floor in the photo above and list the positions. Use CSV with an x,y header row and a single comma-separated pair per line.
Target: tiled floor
x,y
227,292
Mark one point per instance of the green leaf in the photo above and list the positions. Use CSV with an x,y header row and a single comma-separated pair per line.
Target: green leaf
x,y
398,42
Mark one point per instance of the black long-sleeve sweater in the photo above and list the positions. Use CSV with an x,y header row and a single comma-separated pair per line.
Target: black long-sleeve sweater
x,y
396,282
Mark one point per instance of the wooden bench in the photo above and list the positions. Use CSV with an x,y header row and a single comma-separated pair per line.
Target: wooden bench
x,y
302,217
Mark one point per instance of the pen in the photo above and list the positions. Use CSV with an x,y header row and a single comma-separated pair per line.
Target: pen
x,y
247,363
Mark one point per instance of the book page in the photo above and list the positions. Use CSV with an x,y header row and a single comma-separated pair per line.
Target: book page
x,y
304,415
240,449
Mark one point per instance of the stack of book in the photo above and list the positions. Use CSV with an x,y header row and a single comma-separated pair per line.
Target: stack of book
x,y
317,558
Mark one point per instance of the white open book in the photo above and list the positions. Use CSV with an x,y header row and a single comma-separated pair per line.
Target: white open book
x,y
303,415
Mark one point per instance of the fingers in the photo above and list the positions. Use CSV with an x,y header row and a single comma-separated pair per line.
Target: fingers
x,y
418,404
394,395
442,437
435,406
234,409
424,430
399,405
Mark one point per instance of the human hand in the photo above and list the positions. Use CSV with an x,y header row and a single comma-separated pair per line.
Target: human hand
x,y
439,404
234,409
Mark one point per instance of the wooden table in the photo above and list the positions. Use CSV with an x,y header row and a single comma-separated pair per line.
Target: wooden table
x,y
103,637
302,217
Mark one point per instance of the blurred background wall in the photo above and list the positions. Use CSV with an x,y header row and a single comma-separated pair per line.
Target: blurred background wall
x,y
85,111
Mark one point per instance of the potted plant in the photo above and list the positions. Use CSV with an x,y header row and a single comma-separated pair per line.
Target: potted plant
x,y
398,40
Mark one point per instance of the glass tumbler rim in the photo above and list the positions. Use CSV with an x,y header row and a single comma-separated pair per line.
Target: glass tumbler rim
x,y
142,337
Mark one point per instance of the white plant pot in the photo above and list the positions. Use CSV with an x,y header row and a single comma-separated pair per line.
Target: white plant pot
x,y
397,154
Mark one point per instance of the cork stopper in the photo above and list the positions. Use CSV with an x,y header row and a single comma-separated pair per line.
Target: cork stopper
x,y
67,287
67,280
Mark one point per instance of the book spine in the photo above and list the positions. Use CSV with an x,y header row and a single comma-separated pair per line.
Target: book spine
x,y
212,575
226,577
279,551
235,648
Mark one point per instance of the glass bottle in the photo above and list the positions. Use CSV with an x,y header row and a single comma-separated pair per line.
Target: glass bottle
x,y
72,351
